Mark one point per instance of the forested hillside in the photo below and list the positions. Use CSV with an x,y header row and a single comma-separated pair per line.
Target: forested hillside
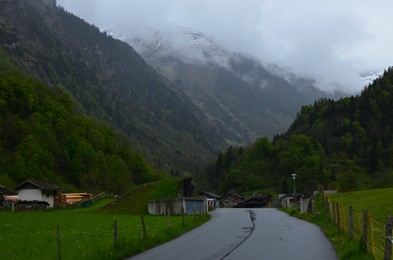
x,y
355,131
42,138
345,144
109,81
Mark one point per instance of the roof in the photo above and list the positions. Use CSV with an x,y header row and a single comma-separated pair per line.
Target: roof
x,y
233,198
229,194
297,195
39,184
262,200
210,195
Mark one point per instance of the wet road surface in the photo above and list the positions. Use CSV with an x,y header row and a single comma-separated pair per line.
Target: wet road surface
x,y
247,234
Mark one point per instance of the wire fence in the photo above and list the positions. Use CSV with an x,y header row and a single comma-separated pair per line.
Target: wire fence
x,y
376,236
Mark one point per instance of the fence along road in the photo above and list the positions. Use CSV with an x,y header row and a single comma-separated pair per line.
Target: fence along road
x,y
247,234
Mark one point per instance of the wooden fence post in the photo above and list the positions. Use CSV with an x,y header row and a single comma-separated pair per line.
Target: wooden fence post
x,y
58,243
338,215
115,234
388,238
169,217
182,216
334,213
328,208
351,229
365,228
143,226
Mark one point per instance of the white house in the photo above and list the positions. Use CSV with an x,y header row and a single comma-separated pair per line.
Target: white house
x,y
37,190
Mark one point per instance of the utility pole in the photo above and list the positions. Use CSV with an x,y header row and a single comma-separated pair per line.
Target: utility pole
x,y
294,188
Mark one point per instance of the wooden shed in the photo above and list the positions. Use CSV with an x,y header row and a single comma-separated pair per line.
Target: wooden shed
x,y
175,205
212,200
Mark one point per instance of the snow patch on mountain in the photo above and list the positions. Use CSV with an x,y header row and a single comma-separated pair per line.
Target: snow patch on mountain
x,y
186,44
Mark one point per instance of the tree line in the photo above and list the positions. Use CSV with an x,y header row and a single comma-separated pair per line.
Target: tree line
x,y
345,144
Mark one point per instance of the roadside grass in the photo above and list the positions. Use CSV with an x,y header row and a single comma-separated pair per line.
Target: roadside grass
x,y
87,233
346,248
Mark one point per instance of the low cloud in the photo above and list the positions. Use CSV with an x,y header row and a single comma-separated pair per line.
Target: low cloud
x,y
330,41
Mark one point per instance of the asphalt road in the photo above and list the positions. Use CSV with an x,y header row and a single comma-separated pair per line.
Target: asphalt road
x,y
247,234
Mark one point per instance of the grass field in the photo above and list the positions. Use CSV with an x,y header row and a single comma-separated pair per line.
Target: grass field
x,y
86,233
378,202
378,205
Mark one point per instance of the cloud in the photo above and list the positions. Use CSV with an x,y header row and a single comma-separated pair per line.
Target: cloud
x,y
332,41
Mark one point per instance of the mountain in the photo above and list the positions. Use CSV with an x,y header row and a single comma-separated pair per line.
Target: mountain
x,y
241,96
345,144
42,138
109,81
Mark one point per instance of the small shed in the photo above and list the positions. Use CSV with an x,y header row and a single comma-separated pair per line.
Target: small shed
x,y
304,200
287,200
32,190
212,200
175,205
306,203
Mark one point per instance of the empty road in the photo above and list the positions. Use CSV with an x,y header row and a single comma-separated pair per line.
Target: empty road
x,y
247,234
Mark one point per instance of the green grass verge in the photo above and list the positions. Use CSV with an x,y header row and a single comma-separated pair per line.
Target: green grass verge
x,y
346,248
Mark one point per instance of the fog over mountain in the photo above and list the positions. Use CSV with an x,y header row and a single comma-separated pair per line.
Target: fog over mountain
x,y
335,42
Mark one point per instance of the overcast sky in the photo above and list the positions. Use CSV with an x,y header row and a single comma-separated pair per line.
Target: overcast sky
x,y
332,41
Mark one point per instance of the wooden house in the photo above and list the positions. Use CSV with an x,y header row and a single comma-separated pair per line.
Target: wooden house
x,y
32,190
231,199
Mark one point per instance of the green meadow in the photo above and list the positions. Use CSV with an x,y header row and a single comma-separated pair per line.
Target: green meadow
x,y
85,233
378,205
379,202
